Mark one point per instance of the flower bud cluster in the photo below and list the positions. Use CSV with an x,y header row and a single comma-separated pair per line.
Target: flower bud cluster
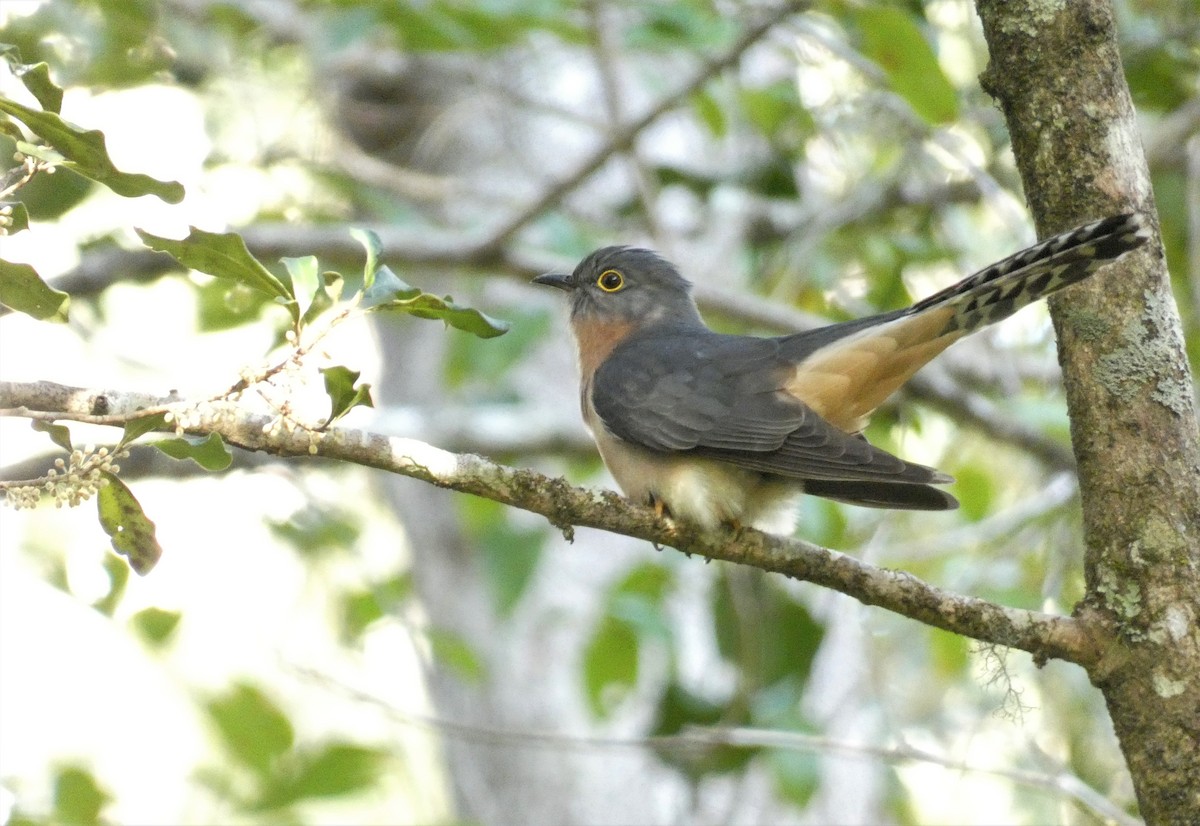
x,y
71,481
23,497
78,480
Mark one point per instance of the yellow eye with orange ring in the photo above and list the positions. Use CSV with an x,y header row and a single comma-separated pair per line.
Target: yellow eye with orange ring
x,y
610,281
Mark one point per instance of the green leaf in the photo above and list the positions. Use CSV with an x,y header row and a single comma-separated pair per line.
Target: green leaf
x,y
18,216
637,599
454,652
710,113
791,640
209,453
680,708
306,283
359,609
78,798
385,286
667,25
343,395
329,294
118,581
87,154
58,433
306,279
253,729
22,289
333,770
37,80
406,299
771,637
770,108
975,490
45,196
225,256
122,518
316,530
634,610
446,24
137,428
797,774
42,153
222,305
509,553
374,248
155,626
610,664
892,39
649,581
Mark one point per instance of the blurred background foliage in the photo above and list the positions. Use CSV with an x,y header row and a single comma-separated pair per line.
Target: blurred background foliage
x,y
320,644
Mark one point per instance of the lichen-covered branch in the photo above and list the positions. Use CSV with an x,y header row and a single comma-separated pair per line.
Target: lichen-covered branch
x,y
1056,71
565,506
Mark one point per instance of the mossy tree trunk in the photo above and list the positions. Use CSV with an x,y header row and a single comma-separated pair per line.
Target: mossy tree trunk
x,y
1056,72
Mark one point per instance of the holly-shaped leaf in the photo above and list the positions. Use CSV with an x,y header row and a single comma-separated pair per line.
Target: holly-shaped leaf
x,y
343,395
36,78
390,294
330,293
58,433
383,290
224,255
85,152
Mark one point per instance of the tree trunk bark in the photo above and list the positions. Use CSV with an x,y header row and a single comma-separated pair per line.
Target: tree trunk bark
x,y
1056,71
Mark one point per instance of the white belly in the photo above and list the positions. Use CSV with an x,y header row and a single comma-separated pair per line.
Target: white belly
x,y
704,491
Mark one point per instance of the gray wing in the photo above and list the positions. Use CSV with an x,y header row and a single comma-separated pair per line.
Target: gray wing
x,y
722,397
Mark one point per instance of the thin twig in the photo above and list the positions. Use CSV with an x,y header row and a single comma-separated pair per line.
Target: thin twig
x,y
604,52
1061,781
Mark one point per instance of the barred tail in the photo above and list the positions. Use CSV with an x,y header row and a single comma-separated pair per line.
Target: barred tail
x,y
998,291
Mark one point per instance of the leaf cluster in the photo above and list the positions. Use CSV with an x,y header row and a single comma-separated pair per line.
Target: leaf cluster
x,y
314,300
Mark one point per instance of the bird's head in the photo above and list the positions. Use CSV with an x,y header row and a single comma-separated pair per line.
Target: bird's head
x,y
626,284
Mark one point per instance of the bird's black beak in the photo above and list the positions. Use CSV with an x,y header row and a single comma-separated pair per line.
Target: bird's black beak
x,y
556,279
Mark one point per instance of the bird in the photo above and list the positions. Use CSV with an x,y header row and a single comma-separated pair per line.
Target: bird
x,y
729,430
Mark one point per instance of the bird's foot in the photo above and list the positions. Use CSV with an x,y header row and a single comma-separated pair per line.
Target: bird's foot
x,y
662,512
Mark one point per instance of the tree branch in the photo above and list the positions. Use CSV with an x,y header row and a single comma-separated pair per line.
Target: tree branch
x,y
1043,635
622,137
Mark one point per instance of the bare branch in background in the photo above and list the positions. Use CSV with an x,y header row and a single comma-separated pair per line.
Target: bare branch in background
x,y
1058,779
624,136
